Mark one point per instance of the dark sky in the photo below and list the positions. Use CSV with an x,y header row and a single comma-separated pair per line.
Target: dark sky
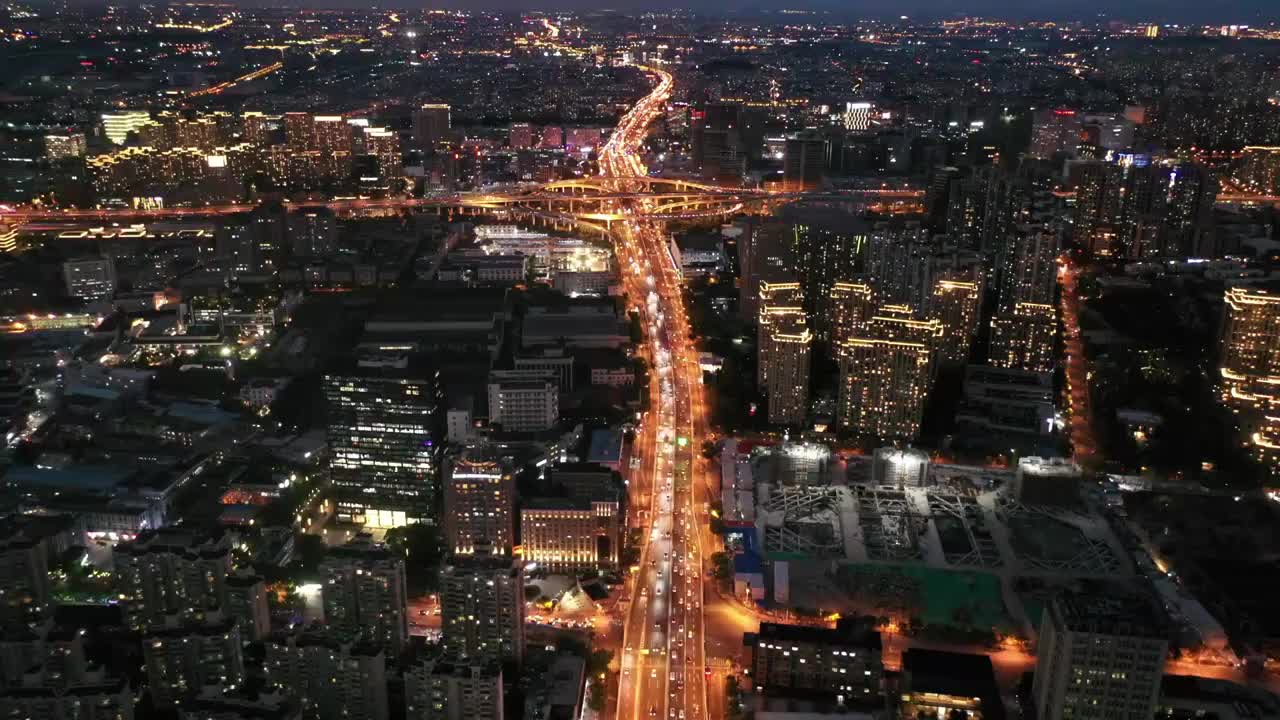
x,y
1251,12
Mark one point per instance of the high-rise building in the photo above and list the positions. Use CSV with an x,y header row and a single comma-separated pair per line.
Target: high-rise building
x,y
857,116
845,660
117,125
482,607
895,261
935,683
523,400
364,594
172,571
8,238
825,246
258,129
852,305
722,137
61,147
183,656
803,161
1249,364
1029,271
955,305
782,351
1024,338
479,502
1100,655
765,255
90,278
572,534
1188,222
944,184
331,679
247,604
431,125
886,374
384,145
1054,131
1007,401
384,440
313,232
438,689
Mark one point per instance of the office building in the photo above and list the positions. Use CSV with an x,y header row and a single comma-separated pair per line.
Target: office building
x,y
900,467
1249,365
844,662
955,305
886,374
803,161
523,400
384,440
90,278
440,689
585,480
1054,131
172,571
330,679
723,136
384,146
181,657
1024,338
568,534
116,126
482,607
479,501
999,401
61,147
552,360
431,126
363,588
1100,656
857,116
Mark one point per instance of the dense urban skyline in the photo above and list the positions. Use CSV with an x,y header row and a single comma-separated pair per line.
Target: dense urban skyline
x,y
894,361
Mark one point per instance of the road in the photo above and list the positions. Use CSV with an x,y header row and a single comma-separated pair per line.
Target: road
x,y
1079,419
664,659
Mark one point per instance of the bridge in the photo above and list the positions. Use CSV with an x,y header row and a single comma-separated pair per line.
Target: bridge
x,y
593,203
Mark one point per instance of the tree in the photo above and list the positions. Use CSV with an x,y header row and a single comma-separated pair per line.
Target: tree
x,y
598,661
423,548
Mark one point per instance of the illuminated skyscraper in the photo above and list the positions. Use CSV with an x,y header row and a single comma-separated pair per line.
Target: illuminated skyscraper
x,y
852,305
479,502
1029,273
954,305
1023,339
431,125
784,347
384,145
825,243
782,351
384,439
117,125
857,116
1249,364
68,145
886,373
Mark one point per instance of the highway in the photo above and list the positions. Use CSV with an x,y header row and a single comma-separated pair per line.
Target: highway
x,y
663,659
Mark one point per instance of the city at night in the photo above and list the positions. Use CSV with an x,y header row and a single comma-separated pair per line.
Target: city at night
x,y
907,360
